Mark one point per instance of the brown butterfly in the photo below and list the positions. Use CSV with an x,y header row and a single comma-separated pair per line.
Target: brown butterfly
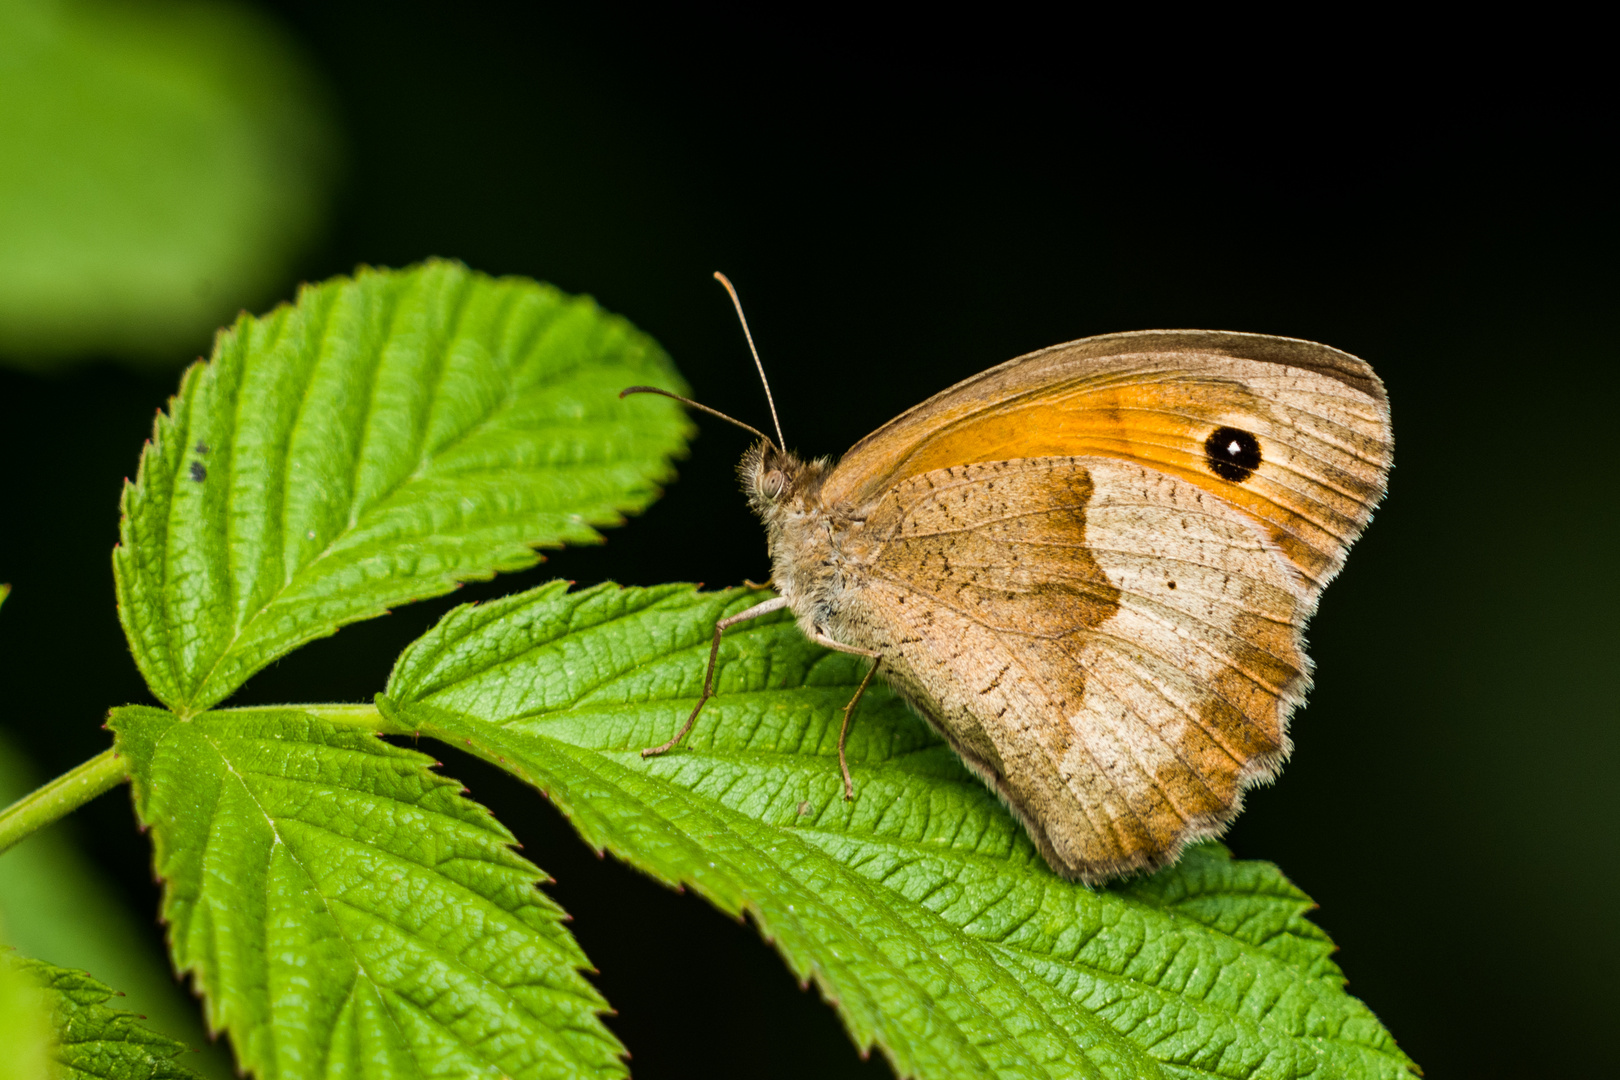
x,y
1090,570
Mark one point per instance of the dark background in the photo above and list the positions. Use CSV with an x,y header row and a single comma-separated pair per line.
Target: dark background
x,y
902,208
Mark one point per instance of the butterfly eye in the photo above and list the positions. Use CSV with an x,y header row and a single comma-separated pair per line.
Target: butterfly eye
x,y
772,484
1232,454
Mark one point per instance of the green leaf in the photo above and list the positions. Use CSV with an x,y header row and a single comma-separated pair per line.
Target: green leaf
x,y
25,1027
342,908
920,909
93,1041
161,166
387,437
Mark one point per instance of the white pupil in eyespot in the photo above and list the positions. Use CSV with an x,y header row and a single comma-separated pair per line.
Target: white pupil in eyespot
x,y
1233,448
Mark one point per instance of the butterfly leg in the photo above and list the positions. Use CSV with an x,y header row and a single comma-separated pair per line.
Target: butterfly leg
x,y
849,710
776,604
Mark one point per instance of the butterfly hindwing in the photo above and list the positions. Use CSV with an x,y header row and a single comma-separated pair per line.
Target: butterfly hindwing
x,y
1114,650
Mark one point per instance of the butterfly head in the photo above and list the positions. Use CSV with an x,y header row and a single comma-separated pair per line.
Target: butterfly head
x,y
777,482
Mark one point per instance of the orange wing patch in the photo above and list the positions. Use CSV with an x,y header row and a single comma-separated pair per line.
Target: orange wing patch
x,y
1319,446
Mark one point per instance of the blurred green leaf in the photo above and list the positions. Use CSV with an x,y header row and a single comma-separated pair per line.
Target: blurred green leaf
x,y
57,907
920,909
161,165
92,1041
25,1026
389,436
337,902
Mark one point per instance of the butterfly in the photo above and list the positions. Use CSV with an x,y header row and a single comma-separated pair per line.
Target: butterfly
x,y
1090,570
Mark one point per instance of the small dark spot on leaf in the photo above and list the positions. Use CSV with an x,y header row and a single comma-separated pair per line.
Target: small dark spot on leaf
x,y
1172,584
199,471
202,448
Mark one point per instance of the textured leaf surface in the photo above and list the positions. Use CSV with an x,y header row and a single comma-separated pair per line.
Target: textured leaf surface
x,y
345,911
161,165
385,438
920,908
93,1040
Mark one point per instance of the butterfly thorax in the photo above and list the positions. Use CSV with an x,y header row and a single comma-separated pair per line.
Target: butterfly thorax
x,y
816,549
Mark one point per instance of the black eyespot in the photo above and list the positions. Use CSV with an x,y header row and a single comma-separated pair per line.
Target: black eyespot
x,y
1232,454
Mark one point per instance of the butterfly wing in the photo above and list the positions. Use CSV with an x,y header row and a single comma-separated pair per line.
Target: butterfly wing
x,y
1293,434
1114,650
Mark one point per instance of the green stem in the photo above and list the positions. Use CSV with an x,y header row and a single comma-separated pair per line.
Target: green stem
x,y
61,797
107,770
360,716
368,717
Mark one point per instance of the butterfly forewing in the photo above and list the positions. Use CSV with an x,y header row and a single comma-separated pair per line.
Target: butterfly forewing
x,y
1293,433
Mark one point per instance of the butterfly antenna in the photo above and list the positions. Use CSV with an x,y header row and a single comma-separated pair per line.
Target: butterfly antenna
x,y
769,400
627,391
